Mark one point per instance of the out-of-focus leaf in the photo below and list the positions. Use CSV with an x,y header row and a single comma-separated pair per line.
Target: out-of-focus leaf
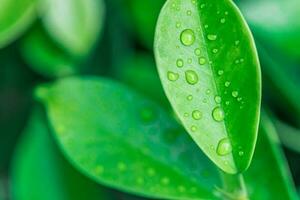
x,y
144,20
140,73
114,140
208,64
45,57
276,22
40,172
74,24
127,142
15,17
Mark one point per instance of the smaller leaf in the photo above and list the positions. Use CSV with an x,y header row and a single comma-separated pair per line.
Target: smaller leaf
x,y
40,172
74,24
15,17
45,57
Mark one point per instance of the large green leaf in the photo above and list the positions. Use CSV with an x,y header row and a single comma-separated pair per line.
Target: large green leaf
x,y
15,17
40,172
125,141
45,57
209,68
276,22
74,24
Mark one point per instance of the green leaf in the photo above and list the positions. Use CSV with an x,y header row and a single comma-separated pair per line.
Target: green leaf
x,y
125,141
112,141
74,24
275,22
40,172
45,57
209,68
15,17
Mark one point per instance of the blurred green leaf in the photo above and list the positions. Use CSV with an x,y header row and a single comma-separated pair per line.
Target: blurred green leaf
x,y
73,24
275,22
40,172
15,17
45,57
124,141
211,77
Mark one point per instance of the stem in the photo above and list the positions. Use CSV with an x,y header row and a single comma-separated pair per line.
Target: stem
x,y
233,187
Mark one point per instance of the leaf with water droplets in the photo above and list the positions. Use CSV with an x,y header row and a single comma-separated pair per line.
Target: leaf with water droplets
x,y
210,41
40,171
74,24
15,17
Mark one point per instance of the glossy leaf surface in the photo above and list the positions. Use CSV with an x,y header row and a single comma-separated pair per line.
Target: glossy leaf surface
x,y
45,57
74,24
276,22
145,151
40,171
209,68
15,17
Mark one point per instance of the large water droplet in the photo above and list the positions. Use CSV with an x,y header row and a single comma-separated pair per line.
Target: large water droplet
x,y
224,147
179,63
197,115
218,114
187,37
191,77
212,37
173,76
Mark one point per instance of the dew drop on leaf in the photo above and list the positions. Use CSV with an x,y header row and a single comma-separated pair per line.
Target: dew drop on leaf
x,y
191,77
197,52
215,51
202,60
224,147
179,63
227,84
190,97
187,37
193,128
218,114
235,93
173,76
211,37
218,99
197,115
223,20
220,72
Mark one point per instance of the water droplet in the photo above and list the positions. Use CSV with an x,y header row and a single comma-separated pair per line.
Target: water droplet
x,y
191,77
202,60
197,115
186,114
235,94
187,37
165,180
215,50
208,91
197,52
226,13
193,1
179,63
227,84
218,114
218,99
212,37
224,147
241,153
220,72
202,5
237,42
178,25
173,76
242,60
239,99
193,128
237,61
227,103
205,26
223,20
189,13
122,166
190,97
190,60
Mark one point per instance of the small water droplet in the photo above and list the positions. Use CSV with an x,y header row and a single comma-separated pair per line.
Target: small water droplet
x,y
235,94
227,84
212,37
197,52
173,76
218,99
237,42
241,153
220,72
178,25
208,91
227,103
242,60
224,147
165,180
215,51
190,60
223,20
197,115
186,114
202,5
202,60
191,77
218,114
179,63
193,1
239,99
190,97
187,37
193,128
206,26
226,13
189,13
